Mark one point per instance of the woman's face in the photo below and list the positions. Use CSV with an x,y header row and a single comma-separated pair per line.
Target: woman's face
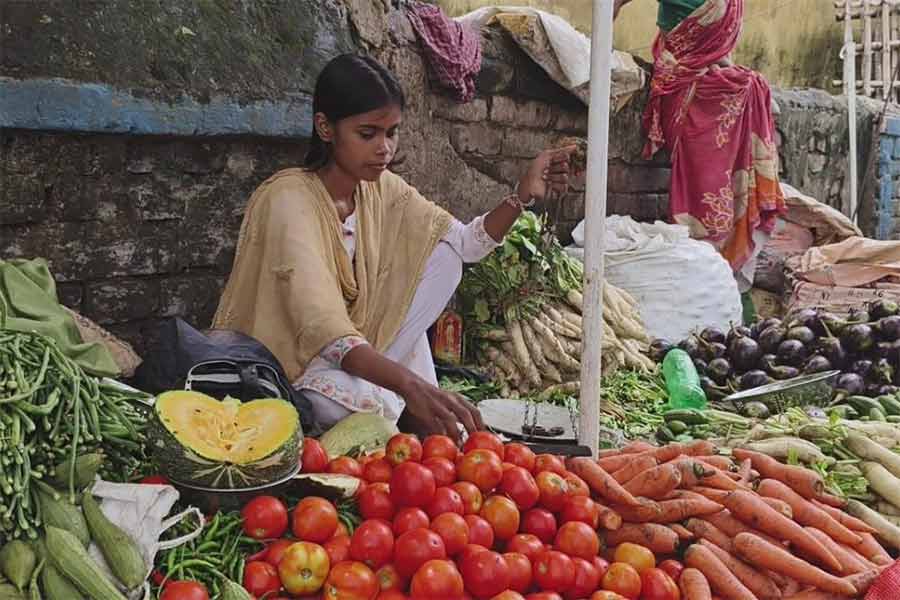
x,y
364,145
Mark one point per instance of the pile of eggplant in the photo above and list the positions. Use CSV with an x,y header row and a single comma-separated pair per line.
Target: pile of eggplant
x,y
865,347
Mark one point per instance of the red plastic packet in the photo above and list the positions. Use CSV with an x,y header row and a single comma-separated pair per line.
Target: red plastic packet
x,y
887,586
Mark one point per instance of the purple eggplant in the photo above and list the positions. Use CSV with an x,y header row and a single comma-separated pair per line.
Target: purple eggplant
x,y
791,353
887,390
782,373
881,309
691,346
744,353
754,379
858,339
827,324
816,364
832,349
767,362
771,338
736,332
805,317
888,328
858,315
716,350
658,349
719,370
850,384
802,334
862,367
712,335
701,366
882,372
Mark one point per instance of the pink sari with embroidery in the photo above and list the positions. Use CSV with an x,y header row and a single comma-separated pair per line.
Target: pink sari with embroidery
x,y
717,124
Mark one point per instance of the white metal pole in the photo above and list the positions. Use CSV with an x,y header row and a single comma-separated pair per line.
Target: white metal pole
x,y
848,53
595,222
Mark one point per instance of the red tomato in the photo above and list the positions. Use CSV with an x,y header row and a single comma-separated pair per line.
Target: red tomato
x,y
485,574
275,551
502,514
622,579
520,487
445,499
403,447
372,543
411,485
392,595
578,540
345,465
468,550
480,531
519,571
577,486
601,564
509,595
409,518
525,543
540,523
607,595
484,440
639,557
340,530
443,470
350,581
673,568
416,547
314,458
553,571
375,503
338,549
184,590
544,596
377,470
471,496
553,490
155,480
453,529
437,579
481,467
587,579
580,508
265,518
302,569
657,585
549,462
506,466
390,579
261,578
314,520
439,446
519,455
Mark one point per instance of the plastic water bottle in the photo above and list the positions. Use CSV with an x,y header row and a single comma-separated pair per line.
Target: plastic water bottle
x,y
682,381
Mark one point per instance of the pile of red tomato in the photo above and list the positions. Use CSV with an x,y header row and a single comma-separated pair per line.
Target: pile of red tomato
x,y
491,521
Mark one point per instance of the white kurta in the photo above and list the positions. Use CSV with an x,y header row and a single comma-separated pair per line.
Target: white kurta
x,y
335,393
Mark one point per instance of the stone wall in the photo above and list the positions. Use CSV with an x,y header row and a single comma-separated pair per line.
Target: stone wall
x,y
138,212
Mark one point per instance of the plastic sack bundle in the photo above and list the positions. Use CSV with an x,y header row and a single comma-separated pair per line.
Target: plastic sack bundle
x,y
680,284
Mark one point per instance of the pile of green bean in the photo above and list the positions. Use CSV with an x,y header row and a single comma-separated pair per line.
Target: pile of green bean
x,y
52,411
219,552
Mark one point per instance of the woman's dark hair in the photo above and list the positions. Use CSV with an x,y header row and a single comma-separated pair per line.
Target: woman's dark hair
x,y
349,85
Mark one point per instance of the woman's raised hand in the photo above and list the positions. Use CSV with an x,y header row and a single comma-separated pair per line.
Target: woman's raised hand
x,y
548,172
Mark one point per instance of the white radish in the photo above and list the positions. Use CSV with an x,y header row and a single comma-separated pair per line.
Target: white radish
x,y
576,300
882,482
569,388
553,350
503,362
866,449
495,335
537,354
521,353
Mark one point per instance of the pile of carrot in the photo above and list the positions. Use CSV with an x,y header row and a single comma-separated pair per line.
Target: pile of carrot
x,y
747,526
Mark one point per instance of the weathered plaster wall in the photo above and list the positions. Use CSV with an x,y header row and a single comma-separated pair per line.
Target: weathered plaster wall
x,y
137,205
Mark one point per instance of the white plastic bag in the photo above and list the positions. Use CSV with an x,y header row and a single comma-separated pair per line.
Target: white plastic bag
x,y
680,284
140,510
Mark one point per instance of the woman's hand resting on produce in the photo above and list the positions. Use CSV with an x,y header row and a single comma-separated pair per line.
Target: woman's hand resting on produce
x,y
438,412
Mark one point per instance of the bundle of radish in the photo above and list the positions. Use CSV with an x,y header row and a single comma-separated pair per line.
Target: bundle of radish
x,y
523,308
745,525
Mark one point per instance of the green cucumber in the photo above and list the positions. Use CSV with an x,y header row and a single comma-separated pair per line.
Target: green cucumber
x,y
677,427
844,411
689,416
9,592
893,418
86,468
120,551
889,404
664,434
65,515
72,560
876,414
862,404
56,587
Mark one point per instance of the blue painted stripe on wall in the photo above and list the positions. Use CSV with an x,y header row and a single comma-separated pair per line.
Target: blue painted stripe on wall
x,y
892,126
62,105
885,202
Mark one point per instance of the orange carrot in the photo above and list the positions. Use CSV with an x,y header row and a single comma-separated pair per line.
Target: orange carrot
x,y
609,519
756,582
731,526
646,511
720,578
633,468
814,594
718,461
658,538
792,587
848,521
681,531
601,482
655,483
713,494
750,508
831,500
855,553
709,532
850,563
718,479
872,550
608,452
764,555
613,463
700,448
805,482
781,506
692,471
807,513
863,581
693,585
744,470
672,511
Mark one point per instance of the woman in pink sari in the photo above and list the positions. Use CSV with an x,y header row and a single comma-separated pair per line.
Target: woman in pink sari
x,y
715,119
